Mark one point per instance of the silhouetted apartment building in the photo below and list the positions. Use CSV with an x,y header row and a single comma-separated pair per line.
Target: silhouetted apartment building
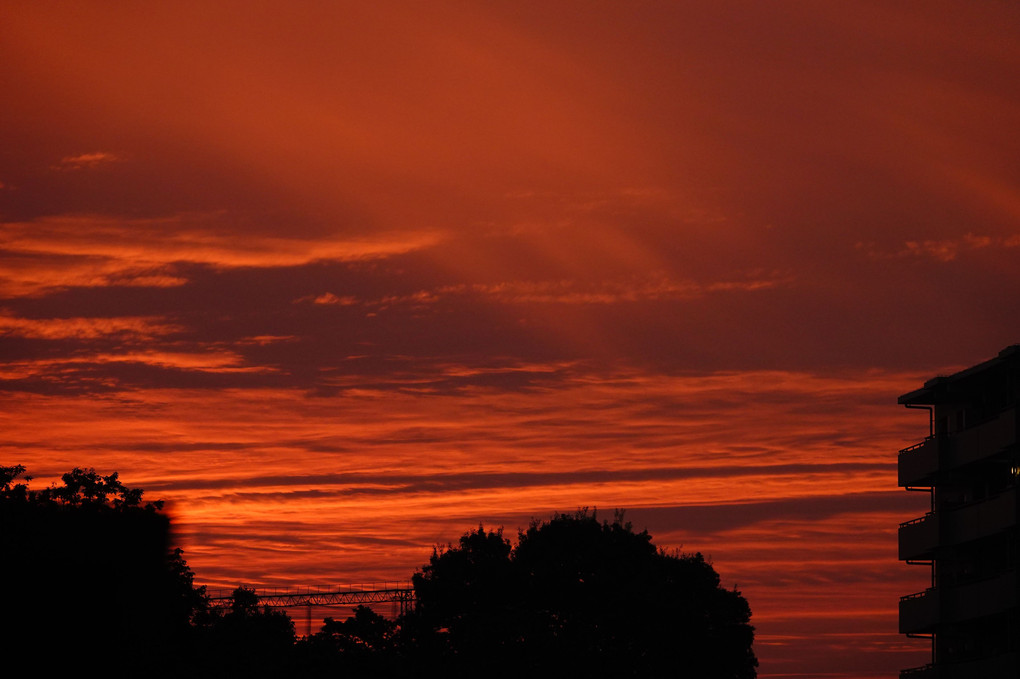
x,y
970,465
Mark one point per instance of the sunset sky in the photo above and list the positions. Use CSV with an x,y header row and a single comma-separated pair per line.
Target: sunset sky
x,y
342,280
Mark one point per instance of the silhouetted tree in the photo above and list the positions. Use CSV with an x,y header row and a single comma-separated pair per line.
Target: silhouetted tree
x,y
191,603
364,633
247,641
577,597
87,571
363,645
466,604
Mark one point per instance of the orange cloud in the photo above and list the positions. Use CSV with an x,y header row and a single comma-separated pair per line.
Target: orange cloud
x,y
136,327
945,250
330,298
618,291
615,291
207,361
86,161
56,252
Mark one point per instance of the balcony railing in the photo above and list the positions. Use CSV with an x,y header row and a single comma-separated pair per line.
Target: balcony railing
x,y
922,612
987,438
919,538
919,612
1004,665
980,519
922,672
980,598
919,463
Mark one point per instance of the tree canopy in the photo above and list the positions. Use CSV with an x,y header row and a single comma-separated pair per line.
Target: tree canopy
x,y
82,488
578,597
88,569
90,574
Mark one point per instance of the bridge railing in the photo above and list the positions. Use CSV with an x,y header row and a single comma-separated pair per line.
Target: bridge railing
x,y
322,595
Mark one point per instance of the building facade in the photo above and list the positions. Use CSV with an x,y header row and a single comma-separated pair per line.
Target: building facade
x,y
969,464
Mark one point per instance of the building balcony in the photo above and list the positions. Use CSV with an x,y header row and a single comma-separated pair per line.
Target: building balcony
x,y
1004,665
981,441
980,519
923,612
919,613
919,538
919,464
923,672
978,599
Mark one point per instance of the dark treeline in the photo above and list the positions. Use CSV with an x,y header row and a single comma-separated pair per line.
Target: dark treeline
x,y
92,583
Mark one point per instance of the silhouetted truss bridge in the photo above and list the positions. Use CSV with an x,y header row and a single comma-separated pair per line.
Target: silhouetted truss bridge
x,y
401,594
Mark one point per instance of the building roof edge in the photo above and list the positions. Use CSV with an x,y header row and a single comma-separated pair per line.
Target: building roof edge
x,y
933,389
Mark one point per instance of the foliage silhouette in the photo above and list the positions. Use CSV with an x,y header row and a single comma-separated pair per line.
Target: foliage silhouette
x,y
574,597
191,603
246,640
364,633
577,597
363,645
87,570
